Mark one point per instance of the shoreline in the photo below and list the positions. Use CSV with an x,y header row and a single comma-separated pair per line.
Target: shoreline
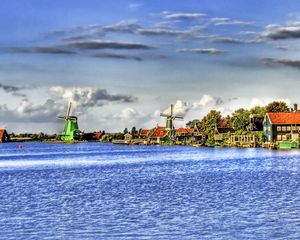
x,y
217,146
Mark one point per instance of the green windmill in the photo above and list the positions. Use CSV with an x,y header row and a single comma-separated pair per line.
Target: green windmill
x,y
71,131
170,118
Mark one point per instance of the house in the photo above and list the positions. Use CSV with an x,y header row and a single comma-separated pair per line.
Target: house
x,y
256,123
92,136
282,126
198,136
183,134
144,133
4,137
222,132
159,135
127,137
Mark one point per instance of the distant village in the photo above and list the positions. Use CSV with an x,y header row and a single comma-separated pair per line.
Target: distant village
x,y
273,126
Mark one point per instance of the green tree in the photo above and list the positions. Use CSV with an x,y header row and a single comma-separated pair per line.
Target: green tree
x,y
277,106
133,130
119,135
258,111
208,125
240,119
125,131
226,122
105,138
191,124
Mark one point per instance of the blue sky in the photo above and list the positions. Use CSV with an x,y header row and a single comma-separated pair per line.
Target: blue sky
x,y
122,62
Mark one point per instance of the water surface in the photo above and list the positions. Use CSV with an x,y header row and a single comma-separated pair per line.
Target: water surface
x,y
102,191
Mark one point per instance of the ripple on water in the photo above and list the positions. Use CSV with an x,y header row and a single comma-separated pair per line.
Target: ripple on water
x,y
101,191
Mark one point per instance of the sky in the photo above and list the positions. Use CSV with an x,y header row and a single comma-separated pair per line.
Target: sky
x,y
124,62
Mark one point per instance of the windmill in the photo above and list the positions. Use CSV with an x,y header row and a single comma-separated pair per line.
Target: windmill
x,y
71,131
169,118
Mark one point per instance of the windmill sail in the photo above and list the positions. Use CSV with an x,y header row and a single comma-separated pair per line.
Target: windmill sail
x,y
170,117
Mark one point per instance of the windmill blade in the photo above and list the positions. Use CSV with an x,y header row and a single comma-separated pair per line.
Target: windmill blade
x,y
69,110
165,115
62,117
178,117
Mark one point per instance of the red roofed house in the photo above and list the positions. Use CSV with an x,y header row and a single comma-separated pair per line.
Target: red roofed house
x,y
282,126
183,134
160,134
4,137
144,133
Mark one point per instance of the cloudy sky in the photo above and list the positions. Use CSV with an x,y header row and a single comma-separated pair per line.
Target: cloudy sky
x,y
123,62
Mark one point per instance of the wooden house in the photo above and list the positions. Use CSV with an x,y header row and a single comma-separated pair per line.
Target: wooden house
x,y
4,137
222,132
183,134
282,126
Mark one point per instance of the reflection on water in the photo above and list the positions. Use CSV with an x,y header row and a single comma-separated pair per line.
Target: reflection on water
x,y
101,191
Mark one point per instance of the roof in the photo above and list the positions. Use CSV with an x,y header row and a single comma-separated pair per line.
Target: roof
x,y
184,130
159,132
225,130
284,118
98,134
144,132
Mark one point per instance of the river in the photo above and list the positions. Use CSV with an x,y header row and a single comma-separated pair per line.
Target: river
x,y
103,191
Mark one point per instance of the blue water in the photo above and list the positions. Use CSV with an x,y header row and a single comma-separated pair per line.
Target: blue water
x,y
101,191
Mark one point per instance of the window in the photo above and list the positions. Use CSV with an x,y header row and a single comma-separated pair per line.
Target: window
x,y
278,128
288,128
284,128
294,128
284,138
278,137
298,128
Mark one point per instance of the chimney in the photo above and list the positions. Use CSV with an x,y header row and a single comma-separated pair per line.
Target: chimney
x,y
295,107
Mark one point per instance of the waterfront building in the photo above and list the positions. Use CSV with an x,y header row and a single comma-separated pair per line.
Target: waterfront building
x,y
160,135
144,133
222,132
282,126
183,134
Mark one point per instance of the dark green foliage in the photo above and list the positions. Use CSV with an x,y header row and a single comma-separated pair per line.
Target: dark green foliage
x,y
133,130
277,106
226,122
209,123
258,111
191,124
106,138
119,135
240,120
